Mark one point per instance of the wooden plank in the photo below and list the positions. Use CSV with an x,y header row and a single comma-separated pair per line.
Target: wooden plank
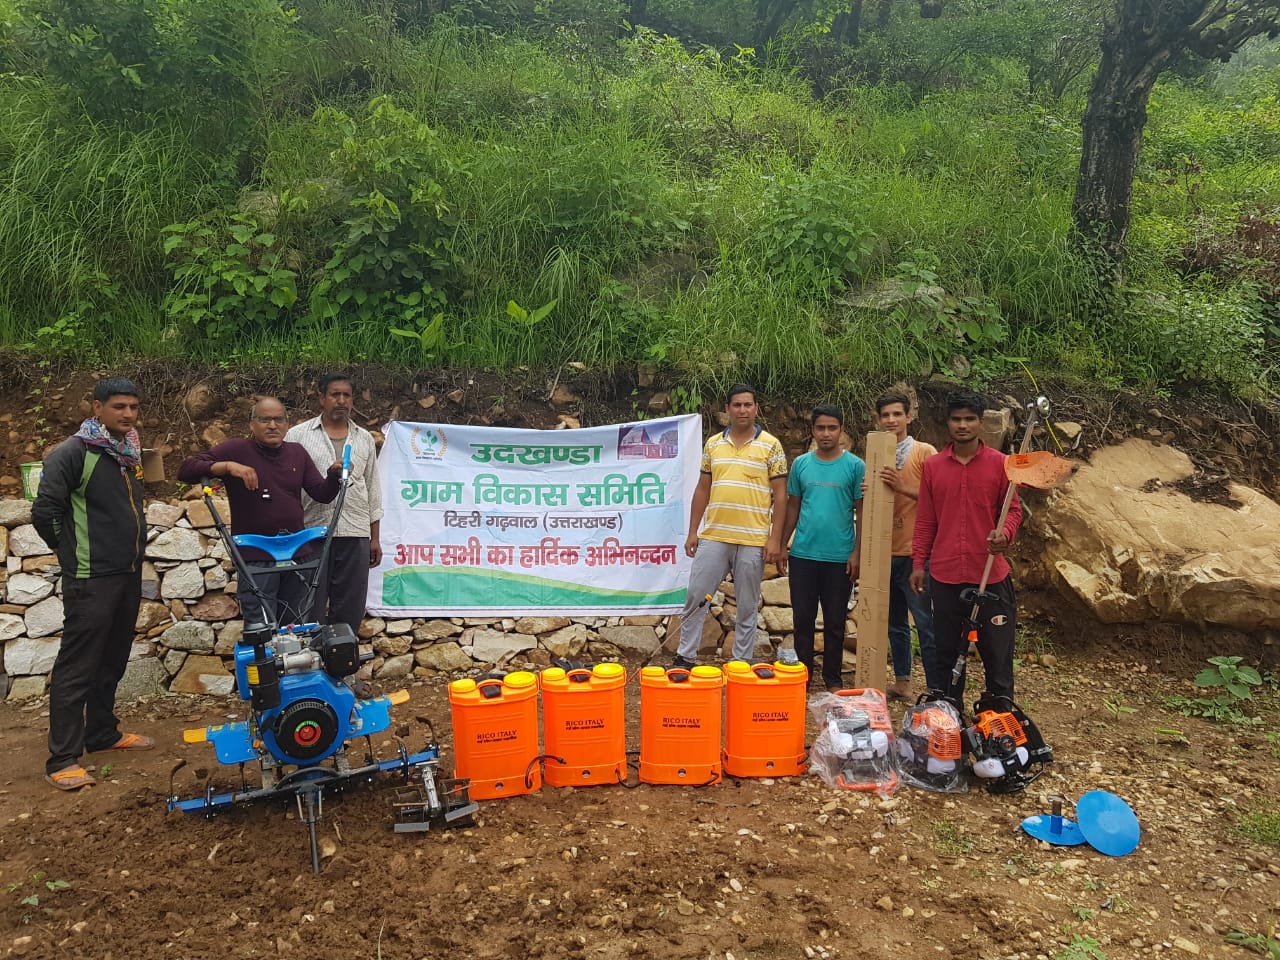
x,y
871,615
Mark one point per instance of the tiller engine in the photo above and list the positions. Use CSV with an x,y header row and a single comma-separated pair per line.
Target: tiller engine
x,y
305,715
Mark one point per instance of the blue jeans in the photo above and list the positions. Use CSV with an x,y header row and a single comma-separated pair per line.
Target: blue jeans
x,y
901,600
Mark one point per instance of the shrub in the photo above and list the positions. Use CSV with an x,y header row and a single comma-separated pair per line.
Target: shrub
x,y
1200,338
129,60
812,230
394,262
228,278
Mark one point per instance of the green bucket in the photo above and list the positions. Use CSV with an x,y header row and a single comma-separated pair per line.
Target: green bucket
x,y
31,473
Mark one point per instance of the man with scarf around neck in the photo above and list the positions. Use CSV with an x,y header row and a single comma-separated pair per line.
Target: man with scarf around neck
x,y
89,510
893,415
264,478
962,490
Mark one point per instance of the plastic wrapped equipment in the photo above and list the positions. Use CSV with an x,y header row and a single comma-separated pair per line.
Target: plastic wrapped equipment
x,y
931,752
855,746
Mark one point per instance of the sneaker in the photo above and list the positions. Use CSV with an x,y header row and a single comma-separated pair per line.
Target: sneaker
x,y
680,663
70,778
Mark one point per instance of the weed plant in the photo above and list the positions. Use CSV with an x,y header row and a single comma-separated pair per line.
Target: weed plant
x,y
950,840
1266,943
1081,948
1230,685
1261,827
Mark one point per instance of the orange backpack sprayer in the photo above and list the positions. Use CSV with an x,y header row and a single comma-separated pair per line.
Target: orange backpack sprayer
x,y
584,725
680,725
495,734
764,719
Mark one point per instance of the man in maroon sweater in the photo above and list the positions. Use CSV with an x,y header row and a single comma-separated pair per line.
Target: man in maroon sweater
x,y
961,492
265,477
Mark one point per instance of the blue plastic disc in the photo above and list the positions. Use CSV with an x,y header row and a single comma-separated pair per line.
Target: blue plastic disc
x,y
1108,823
1059,831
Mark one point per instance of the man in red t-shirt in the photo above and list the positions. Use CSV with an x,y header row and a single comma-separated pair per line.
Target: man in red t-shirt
x,y
961,492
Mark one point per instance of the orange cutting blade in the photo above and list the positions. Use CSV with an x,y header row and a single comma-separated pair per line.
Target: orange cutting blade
x,y
1039,469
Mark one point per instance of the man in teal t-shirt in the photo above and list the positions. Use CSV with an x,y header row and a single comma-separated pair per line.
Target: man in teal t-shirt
x,y
822,490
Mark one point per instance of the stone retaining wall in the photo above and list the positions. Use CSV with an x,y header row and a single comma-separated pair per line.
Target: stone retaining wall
x,y
189,622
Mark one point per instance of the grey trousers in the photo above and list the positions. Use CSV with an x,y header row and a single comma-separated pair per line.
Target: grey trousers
x,y
710,564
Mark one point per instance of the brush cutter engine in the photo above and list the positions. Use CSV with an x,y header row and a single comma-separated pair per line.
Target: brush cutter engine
x,y
1007,749
930,749
853,738
854,750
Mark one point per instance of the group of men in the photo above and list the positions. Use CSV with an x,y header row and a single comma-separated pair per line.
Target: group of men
x,y
748,511
89,510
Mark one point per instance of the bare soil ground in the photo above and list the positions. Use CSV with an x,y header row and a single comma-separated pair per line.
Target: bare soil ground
x,y
745,869
755,869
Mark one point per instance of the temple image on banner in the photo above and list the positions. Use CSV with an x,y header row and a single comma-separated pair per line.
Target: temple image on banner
x,y
648,441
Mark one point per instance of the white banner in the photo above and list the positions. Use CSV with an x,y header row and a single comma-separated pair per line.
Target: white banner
x,y
492,521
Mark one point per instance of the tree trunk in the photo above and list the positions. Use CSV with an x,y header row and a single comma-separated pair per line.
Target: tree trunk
x,y
1112,128
847,25
1139,42
882,13
770,15
638,10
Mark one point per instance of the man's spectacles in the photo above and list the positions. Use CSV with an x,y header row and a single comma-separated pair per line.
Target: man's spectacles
x,y
271,419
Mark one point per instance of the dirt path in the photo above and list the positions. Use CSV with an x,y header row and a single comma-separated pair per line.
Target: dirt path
x,y
747,869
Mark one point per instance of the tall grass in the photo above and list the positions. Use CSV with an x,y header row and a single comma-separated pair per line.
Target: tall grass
x,y
83,201
640,191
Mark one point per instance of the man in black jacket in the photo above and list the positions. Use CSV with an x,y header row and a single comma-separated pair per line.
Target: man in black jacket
x,y
89,510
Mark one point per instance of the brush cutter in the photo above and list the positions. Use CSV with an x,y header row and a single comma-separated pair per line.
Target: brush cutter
x,y
1007,749
1038,469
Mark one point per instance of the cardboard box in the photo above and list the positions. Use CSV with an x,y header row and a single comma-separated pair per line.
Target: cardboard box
x,y
152,466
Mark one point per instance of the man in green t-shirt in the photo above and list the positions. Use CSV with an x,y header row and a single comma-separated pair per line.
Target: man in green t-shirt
x,y
822,491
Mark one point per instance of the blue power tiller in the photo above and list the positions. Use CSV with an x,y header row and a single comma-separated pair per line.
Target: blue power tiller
x,y
305,713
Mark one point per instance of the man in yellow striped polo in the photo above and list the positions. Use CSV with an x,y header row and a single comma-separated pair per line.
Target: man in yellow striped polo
x,y
735,522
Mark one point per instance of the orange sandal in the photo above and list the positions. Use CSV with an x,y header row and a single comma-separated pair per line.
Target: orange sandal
x,y
70,778
133,741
